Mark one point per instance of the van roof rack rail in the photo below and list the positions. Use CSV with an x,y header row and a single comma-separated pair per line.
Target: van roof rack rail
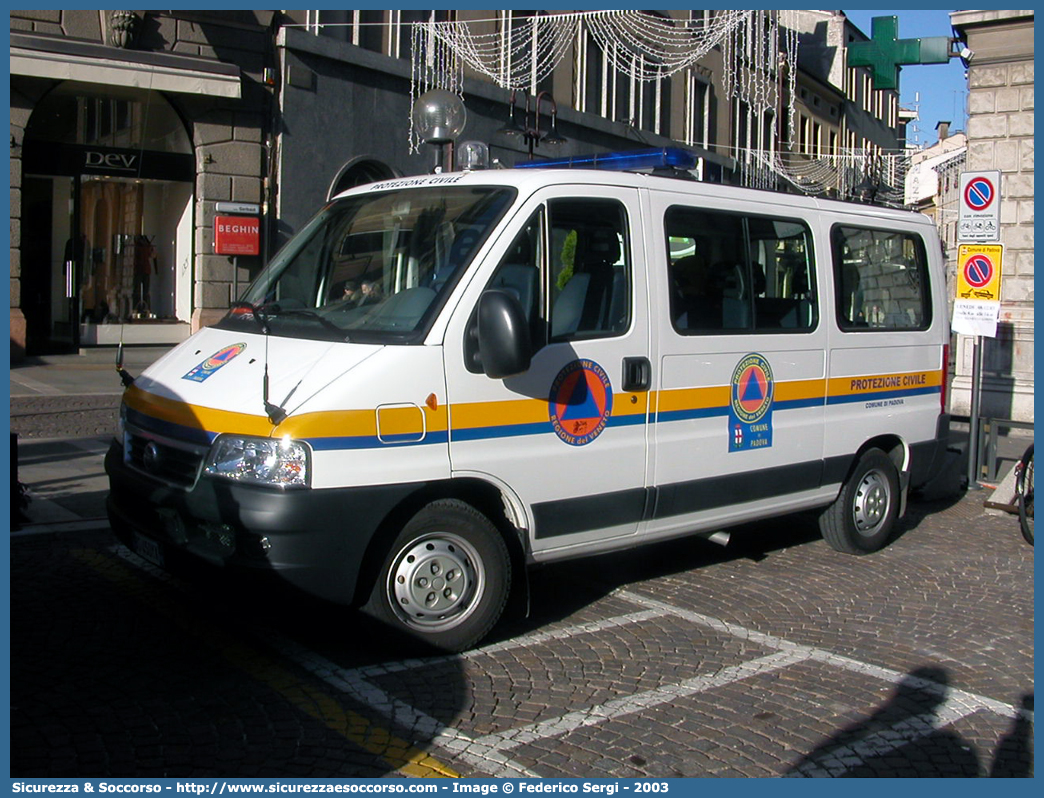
x,y
660,160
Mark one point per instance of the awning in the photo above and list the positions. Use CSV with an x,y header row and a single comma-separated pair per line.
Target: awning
x,y
91,63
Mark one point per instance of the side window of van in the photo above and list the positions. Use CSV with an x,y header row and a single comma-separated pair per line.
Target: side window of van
x,y
589,269
881,278
570,269
734,272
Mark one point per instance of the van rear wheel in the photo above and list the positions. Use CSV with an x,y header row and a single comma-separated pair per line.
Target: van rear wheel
x,y
446,578
861,519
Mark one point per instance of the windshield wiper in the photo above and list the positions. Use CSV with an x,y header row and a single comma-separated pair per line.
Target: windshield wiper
x,y
306,313
255,313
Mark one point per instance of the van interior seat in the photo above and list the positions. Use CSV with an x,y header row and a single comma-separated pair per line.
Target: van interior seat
x,y
569,307
597,253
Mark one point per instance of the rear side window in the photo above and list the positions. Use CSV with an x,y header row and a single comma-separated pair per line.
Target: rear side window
x,y
881,278
733,272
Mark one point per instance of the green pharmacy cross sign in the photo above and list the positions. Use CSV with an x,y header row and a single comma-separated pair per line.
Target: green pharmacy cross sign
x,y
886,52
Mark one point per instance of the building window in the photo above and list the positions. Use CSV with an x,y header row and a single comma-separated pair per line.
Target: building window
x,y
603,89
362,28
402,28
698,113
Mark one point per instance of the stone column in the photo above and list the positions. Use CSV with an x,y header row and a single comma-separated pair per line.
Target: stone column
x,y
1000,136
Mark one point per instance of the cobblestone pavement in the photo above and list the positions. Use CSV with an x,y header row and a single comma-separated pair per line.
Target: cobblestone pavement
x,y
64,416
774,656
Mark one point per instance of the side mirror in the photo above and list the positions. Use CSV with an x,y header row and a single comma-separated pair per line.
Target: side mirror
x,y
503,335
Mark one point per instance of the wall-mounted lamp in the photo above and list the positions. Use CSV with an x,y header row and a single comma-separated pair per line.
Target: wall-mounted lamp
x,y
530,130
552,136
439,117
512,128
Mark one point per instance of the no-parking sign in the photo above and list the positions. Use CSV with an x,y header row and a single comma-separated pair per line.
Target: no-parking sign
x,y
979,272
976,307
979,216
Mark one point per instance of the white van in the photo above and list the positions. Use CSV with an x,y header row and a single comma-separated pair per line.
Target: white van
x,y
444,379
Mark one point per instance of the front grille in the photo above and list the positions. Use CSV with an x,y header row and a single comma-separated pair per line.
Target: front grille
x,y
170,461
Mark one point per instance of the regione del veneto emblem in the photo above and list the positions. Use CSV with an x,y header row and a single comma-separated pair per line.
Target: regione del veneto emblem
x,y
750,406
210,366
580,402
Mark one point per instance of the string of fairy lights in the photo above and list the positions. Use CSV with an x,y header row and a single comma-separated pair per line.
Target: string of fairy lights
x,y
759,52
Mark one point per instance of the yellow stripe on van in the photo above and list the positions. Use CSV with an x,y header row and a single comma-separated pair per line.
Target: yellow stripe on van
x,y
624,407
478,415
682,399
335,429
905,382
395,421
194,417
799,390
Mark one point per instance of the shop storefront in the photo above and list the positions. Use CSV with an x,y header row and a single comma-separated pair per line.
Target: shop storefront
x,y
108,177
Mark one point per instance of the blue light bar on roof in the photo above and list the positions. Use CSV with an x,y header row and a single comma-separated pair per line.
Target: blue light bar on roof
x,y
628,160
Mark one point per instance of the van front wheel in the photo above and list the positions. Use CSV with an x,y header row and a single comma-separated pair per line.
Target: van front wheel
x,y
446,578
860,520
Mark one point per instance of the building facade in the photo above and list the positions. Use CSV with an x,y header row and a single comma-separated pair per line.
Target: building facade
x,y
126,129
1000,137
132,131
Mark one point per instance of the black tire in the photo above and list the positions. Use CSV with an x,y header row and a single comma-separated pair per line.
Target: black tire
x,y
1024,491
446,578
861,519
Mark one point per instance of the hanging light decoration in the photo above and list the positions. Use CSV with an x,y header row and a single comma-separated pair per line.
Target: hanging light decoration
x,y
638,45
759,74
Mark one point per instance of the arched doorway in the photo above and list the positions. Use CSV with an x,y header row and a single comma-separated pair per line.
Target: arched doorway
x,y
107,239
358,172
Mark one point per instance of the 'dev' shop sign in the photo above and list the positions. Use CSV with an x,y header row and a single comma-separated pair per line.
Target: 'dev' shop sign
x,y
237,235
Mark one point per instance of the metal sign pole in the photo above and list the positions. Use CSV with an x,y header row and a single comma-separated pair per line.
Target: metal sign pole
x,y
235,279
973,421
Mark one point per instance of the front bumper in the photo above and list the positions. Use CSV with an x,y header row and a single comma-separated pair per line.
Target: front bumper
x,y
315,540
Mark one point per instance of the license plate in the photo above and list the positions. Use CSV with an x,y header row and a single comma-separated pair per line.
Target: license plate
x,y
147,549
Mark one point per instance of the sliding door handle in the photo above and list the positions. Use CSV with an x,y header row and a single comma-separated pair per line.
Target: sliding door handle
x,y
637,374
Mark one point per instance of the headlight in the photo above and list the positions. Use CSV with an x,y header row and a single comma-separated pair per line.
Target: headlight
x,y
121,422
267,461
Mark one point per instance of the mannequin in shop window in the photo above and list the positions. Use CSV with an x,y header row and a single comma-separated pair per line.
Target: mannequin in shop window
x,y
144,268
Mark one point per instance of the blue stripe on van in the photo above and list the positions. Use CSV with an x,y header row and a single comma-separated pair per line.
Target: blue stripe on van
x,y
170,429
373,442
797,404
691,413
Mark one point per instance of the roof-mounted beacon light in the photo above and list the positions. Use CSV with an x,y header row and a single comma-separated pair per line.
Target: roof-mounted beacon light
x,y
472,156
621,161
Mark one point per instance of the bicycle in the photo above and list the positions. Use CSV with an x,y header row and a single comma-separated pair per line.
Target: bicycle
x,y
1024,493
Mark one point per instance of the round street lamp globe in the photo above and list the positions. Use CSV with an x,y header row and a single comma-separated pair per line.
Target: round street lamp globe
x,y
439,116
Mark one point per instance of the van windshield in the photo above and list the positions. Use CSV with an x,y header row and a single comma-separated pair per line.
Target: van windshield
x,y
372,268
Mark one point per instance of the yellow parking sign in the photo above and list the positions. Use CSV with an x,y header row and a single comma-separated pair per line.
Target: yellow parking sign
x,y
979,272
